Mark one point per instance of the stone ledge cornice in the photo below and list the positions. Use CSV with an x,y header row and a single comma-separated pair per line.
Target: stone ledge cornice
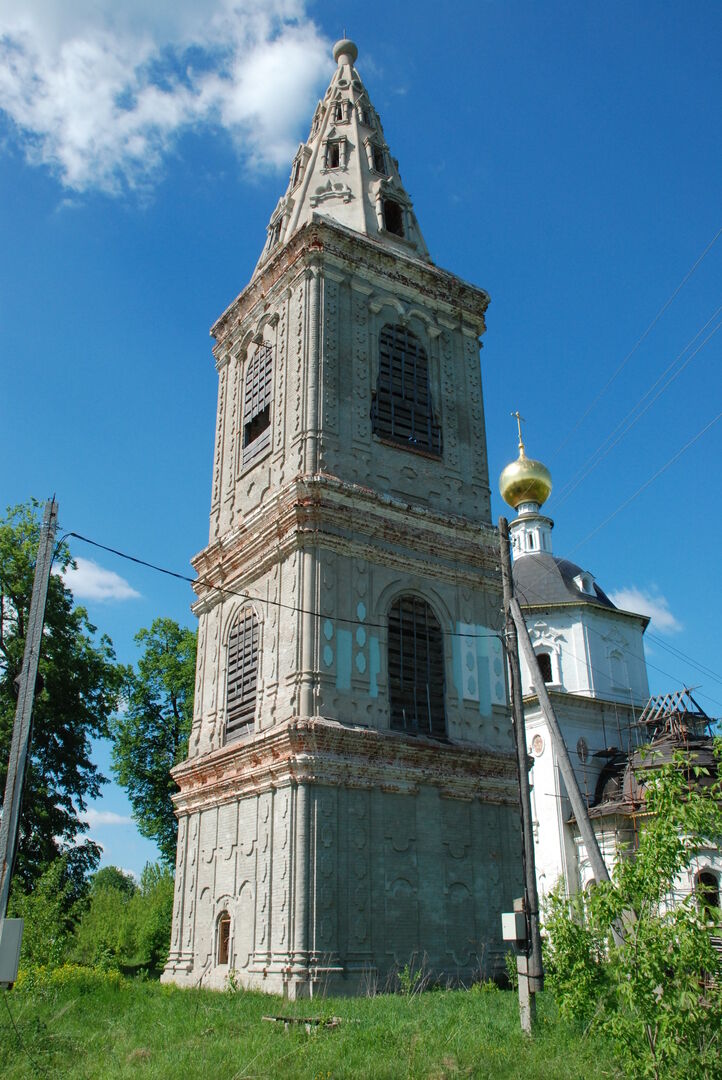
x,y
585,605
347,517
324,751
567,699
321,239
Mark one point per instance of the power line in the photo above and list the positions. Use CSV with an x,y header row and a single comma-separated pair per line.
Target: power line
x,y
634,348
248,596
651,480
603,449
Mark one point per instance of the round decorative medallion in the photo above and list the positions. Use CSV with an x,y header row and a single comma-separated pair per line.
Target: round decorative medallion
x,y
537,746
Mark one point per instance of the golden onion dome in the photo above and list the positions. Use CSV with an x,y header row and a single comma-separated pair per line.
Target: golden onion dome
x,y
525,480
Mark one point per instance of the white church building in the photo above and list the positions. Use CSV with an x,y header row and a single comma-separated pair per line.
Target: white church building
x,y
591,656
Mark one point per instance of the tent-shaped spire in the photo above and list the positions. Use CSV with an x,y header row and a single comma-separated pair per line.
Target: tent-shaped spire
x,y
345,172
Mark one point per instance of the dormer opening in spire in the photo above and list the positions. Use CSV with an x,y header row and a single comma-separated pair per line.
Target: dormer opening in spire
x,y
393,217
377,157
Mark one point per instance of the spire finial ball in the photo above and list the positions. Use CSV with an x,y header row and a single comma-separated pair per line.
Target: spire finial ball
x,y
345,51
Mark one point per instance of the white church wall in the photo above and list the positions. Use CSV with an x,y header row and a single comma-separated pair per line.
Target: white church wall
x,y
588,727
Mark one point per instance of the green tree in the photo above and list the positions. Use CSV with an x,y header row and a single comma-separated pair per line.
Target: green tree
x,y
110,877
151,736
154,906
652,993
78,688
124,928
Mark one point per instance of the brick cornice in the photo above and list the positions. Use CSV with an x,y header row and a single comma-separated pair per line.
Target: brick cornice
x,y
323,242
323,751
348,518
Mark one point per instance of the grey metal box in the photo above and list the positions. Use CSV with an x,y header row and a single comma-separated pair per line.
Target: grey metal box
x,y
11,936
513,926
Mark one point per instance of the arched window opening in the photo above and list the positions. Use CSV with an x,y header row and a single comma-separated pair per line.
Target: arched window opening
x,y
707,890
402,409
242,675
393,217
257,404
416,668
545,666
338,111
224,937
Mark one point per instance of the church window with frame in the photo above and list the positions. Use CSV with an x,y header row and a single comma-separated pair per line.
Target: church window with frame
x,y
257,405
242,677
224,938
401,409
333,154
545,666
416,668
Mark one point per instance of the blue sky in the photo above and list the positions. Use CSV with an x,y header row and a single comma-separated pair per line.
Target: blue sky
x,y
564,156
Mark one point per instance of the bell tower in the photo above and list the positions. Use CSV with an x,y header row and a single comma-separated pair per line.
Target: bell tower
x,y
349,803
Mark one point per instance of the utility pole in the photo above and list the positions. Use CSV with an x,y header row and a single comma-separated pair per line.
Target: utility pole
x,y
9,823
531,971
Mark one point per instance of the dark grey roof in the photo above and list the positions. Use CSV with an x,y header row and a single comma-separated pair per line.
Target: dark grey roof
x,y
542,579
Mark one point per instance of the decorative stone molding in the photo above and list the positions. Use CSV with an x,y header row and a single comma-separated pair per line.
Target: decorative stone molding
x,y
324,751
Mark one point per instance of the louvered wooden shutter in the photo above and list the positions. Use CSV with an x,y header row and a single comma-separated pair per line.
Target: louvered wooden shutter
x,y
257,404
402,409
242,675
416,668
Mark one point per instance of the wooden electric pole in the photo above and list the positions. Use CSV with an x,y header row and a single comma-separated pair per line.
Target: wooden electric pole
x,y
9,823
534,973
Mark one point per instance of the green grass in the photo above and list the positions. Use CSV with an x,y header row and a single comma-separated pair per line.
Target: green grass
x,y
96,1028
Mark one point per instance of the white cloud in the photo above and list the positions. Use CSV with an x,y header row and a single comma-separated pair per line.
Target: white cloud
x,y
88,581
94,818
100,91
647,602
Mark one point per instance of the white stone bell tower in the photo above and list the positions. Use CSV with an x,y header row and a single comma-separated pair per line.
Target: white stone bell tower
x,y
349,803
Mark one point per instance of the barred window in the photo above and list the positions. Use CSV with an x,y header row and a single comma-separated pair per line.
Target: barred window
x,y
402,409
257,404
545,666
242,674
416,668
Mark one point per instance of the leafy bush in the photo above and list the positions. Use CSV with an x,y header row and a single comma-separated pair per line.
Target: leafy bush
x,y
622,960
77,977
124,927
49,911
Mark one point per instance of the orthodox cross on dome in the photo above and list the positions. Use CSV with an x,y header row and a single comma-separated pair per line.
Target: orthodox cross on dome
x,y
519,420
